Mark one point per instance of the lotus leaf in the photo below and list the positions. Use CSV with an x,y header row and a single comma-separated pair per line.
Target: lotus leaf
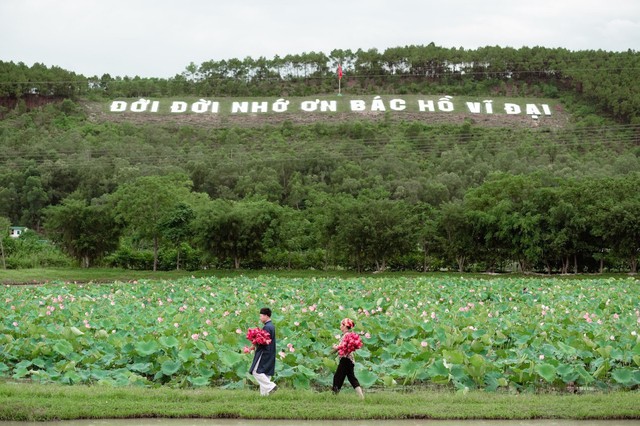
x,y
170,367
71,377
388,337
438,370
300,381
501,337
459,375
454,357
63,347
100,374
408,333
546,371
365,377
199,381
229,359
142,367
568,373
169,341
626,376
584,378
147,348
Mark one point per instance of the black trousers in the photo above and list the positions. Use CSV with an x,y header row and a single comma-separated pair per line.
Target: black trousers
x,y
345,369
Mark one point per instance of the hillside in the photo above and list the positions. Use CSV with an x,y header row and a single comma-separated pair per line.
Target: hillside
x,y
411,168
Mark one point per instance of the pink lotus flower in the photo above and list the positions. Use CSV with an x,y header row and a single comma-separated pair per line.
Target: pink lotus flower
x,y
350,343
246,349
195,336
258,336
424,344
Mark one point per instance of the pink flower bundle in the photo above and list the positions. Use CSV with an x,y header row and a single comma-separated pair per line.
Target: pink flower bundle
x,y
258,336
350,342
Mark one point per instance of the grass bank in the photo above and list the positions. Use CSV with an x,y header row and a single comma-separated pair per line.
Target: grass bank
x,y
98,275
32,402
46,275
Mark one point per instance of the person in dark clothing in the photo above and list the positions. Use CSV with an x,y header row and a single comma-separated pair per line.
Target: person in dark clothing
x,y
264,361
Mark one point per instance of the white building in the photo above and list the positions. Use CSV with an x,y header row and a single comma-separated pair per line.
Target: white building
x,y
16,231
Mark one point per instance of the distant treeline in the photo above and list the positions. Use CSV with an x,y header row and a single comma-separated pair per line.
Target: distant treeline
x,y
610,81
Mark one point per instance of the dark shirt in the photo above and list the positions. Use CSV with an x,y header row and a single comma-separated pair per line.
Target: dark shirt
x,y
266,353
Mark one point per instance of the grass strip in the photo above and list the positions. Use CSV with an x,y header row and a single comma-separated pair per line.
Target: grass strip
x,y
36,402
102,275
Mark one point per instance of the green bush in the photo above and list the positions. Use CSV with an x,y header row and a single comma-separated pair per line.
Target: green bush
x,y
31,251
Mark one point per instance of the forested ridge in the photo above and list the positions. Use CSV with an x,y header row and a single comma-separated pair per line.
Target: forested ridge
x,y
360,194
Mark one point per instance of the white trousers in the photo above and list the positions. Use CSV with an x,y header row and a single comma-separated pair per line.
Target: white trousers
x,y
266,385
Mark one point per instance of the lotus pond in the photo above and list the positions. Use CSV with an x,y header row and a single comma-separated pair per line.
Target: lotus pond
x,y
493,334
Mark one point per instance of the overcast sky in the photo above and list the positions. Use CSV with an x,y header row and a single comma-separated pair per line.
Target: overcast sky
x,y
159,38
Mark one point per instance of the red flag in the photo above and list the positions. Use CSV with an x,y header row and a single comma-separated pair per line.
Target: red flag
x,y
339,71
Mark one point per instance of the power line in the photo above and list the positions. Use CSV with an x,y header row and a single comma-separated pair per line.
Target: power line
x,y
348,148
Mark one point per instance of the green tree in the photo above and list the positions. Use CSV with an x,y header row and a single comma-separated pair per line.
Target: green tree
x,y
34,198
86,232
237,230
426,232
5,224
372,231
176,226
456,234
617,218
145,204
